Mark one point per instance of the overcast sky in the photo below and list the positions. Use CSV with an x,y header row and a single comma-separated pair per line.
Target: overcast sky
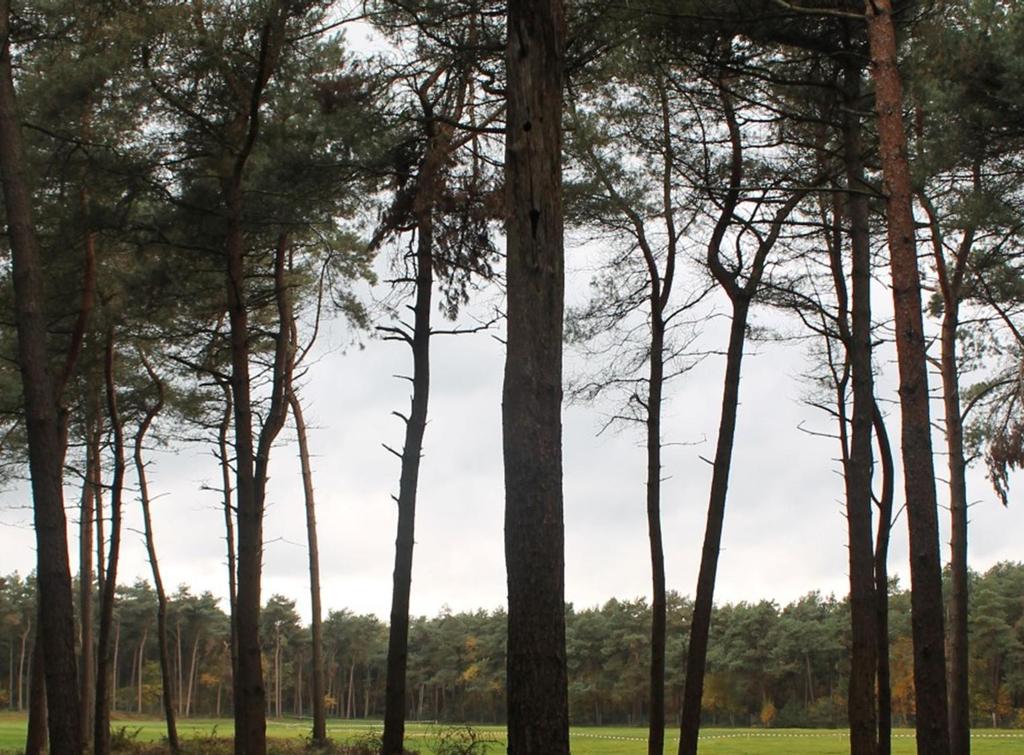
x,y
784,529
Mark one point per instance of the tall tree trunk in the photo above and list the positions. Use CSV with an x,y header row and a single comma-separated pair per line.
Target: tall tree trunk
x,y
959,701
885,501
42,423
538,717
932,716
35,737
161,595
412,451
87,671
250,693
316,620
951,283
251,479
223,450
660,291
251,456
700,626
104,675
740,297
861,708
656,729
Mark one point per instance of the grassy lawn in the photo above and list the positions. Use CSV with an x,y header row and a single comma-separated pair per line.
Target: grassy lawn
x,y
585,740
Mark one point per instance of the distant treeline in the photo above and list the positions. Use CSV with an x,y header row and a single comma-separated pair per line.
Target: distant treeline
x,y
768,665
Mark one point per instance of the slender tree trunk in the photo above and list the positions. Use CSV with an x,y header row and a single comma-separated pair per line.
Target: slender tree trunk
x,y
538,719
656,730
141,668
959,702
701,623
179,668
349,705
223,456
21,665
104,675
885,501
192,674
316,621
42,422
861,710
87,671
35,737
161,595
932,715
412,451
951,281
117,655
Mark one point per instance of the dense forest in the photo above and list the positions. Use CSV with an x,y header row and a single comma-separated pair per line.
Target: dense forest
x,y
768,666
195,189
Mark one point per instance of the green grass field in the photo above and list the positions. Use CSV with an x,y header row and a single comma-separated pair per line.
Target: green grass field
x,y
585,740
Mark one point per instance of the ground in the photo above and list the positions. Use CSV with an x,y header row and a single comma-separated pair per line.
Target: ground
x,y
585,740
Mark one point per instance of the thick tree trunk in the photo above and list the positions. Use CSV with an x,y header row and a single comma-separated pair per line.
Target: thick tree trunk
x,y
700,626
42,423
538,720
412,452
316,621
251,477
104,675
861,707
35,737
250,693
158,584
932,714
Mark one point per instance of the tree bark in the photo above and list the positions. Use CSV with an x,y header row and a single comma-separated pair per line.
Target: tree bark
x,y
412,452
42,422
538,720
701,623
932,716
885,501
951,283
87,671
158,584
861,707
104,675
740,296
316,620
251,456
35,737
223,431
